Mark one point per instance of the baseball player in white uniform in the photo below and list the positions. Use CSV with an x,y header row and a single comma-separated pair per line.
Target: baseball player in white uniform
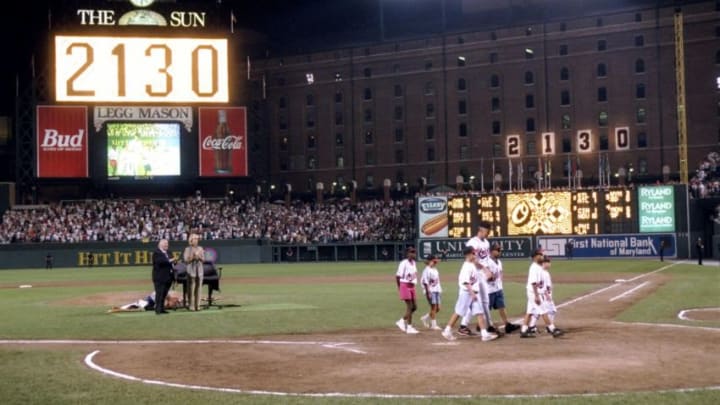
x,y
535,289
467,297
547,301
481,246
430,281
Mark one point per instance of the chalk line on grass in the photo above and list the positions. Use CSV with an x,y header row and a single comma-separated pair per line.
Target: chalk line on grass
x,y
682,315
90,362
628,292
669,325
330,345
590,294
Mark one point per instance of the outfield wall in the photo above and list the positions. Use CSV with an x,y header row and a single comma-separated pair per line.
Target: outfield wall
x,y
251,251
32,255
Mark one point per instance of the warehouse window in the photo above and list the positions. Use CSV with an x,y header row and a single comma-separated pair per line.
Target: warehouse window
x,y
640,66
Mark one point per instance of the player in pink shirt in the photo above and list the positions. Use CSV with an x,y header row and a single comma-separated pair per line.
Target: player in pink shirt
x,y
406,278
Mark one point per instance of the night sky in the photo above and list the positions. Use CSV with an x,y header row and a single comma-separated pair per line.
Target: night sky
x,y
294,26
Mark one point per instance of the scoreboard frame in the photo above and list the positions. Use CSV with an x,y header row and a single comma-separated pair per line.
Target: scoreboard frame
x,y
575,212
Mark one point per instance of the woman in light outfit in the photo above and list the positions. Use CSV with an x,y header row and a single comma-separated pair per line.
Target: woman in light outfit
x,y
194,256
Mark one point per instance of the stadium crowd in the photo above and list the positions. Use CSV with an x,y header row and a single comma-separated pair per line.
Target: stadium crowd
x,y
706,181
124,220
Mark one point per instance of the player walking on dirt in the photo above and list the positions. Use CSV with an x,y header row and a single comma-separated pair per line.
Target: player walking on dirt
x,y
406,278
495,287
430,281
467,300
481,247
535,289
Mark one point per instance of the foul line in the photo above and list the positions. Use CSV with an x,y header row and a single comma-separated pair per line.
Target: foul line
x,y
669,325
628,292
89,361
328,345
588,295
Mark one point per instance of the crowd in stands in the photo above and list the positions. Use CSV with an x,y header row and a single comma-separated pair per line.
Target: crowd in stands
x,y
706,181
136,220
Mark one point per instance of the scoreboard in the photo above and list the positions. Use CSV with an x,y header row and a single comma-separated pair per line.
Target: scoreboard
x,y
578,212
466,212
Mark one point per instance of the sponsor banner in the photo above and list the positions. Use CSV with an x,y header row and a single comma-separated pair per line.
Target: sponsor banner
x,y
103,114
608,246
512,247
433,217
222,144
62,142
656,208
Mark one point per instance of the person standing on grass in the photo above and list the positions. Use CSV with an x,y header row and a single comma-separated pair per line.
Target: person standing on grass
x,y
162,275
430,281
194,256
662,250
49,261
468,300
700,247
569,249
406,278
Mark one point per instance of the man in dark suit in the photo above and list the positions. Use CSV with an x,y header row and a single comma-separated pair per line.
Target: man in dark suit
x,y
162,275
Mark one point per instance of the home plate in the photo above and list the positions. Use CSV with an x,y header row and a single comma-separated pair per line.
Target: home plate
x,y
445,344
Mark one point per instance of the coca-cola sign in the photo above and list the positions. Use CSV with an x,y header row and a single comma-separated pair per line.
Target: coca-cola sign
x,y
222,141
229,142
62,142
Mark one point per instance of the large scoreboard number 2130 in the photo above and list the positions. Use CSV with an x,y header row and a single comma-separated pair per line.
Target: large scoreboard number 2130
x,y
117,69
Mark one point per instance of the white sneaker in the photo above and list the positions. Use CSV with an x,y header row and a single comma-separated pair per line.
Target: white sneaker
x,y
424,320
447,334
411,330
401,324
489,337
435,327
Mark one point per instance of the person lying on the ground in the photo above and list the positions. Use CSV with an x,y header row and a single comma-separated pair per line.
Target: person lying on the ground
x,y
172,301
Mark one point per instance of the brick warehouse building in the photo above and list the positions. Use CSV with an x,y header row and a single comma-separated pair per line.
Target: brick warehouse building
x,y
463,103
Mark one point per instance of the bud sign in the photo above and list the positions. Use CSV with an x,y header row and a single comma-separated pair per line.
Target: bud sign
x,y
62,142
222,143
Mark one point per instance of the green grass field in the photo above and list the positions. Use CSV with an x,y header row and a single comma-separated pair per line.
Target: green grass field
x,y
272,304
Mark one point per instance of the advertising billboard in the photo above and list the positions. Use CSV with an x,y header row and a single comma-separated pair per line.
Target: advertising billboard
x,y
451,248
433,217
62,142
609,246
656,209
222,146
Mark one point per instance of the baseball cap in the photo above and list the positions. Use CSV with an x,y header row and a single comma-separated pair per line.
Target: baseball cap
x,y
429,258
538,251
484,224
495,246
411,249
546,259
467,250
